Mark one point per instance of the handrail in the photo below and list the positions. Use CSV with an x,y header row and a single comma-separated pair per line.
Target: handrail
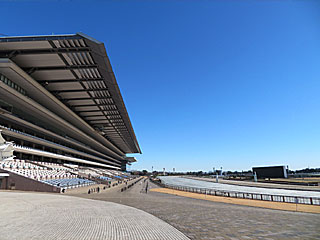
x,y
245,195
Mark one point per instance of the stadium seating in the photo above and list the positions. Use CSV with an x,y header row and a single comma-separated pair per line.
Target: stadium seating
x,y
54,166
33,170
105,178
66,183
61,175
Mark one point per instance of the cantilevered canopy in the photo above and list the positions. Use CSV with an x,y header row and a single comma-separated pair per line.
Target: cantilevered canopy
x,y
76,69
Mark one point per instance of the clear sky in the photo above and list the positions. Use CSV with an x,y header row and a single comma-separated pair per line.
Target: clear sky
x,y
215,83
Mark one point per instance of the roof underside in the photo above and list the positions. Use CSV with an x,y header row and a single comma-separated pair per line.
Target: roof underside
x,y
76,69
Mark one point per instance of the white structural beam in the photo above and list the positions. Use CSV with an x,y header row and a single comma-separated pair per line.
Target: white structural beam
x,y
58,156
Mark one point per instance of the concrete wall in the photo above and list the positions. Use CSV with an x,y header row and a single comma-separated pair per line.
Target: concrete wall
x,y
18,182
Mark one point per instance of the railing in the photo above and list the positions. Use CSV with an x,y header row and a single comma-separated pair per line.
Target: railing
x,y
244,195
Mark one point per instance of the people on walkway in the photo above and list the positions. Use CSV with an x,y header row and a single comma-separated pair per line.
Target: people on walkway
x,y
147,187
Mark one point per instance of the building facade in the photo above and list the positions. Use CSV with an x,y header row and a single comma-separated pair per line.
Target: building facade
x,y
60,101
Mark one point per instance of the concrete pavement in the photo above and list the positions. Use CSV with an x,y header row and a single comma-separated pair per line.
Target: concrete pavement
x,y
201,220
27,215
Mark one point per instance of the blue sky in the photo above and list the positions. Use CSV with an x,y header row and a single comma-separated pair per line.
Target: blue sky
x,y
217,83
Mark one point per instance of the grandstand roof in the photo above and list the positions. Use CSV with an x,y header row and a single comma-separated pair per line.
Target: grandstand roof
x,y
76,70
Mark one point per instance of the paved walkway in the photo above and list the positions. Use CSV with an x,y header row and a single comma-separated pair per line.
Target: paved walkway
x,y
200,219
51,216
246,202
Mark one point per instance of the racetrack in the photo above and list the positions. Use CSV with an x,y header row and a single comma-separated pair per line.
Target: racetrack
x,y
186,182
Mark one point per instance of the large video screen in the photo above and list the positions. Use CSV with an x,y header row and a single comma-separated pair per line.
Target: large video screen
x,y
270,172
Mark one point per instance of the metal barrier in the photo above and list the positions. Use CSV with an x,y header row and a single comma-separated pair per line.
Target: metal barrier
x,y
254,196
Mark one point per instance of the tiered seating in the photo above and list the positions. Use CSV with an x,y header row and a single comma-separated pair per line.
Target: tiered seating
x,y
61,175
34,171
65,183
50,173
105,174
72,166
105,178
20,164
118,174
54,166
90,171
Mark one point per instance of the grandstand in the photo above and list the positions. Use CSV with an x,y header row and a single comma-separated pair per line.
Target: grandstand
x,y
63,122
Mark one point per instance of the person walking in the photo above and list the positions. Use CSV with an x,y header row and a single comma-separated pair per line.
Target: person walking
x,y
147,187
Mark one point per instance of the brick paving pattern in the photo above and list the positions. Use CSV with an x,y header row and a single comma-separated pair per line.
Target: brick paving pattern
x,y
200,219
25,216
